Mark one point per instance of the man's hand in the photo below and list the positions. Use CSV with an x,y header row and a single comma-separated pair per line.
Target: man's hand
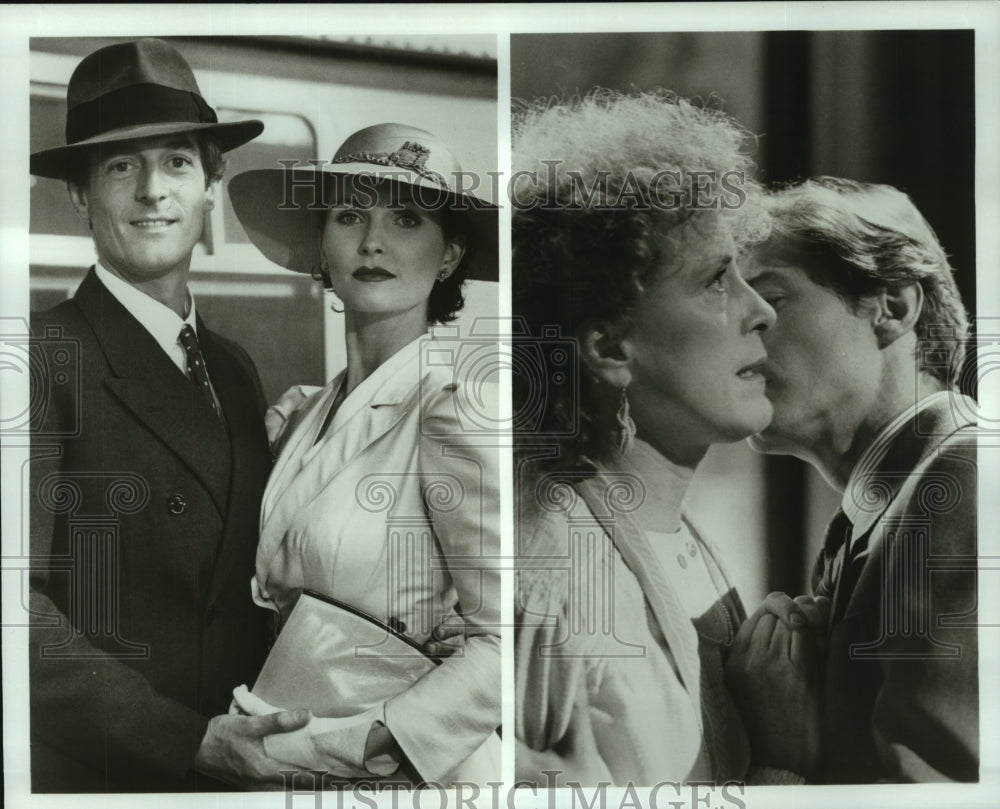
x,y
233,748
774,672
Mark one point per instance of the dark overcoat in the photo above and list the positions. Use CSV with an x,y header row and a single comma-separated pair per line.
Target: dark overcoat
x,y
144,510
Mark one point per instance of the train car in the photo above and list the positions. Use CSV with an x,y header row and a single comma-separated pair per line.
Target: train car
x,y
311,93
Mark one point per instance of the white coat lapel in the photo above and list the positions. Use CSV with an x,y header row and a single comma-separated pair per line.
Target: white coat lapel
x,y
309,466
300,440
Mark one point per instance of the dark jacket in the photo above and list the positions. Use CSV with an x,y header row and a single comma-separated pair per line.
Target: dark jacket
x,y
902,696
143,522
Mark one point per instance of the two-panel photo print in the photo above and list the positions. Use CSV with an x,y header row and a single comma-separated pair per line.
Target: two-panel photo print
x,y
505,407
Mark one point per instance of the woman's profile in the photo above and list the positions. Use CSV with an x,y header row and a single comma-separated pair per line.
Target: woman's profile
x,y
631,218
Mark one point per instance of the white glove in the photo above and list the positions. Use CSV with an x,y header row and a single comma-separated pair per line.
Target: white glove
x,y
337,745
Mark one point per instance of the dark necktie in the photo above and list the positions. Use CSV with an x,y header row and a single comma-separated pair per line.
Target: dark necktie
x,y
830,562
196,366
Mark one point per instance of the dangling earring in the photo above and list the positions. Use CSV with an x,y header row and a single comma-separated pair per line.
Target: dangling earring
x,y
626,427
324,276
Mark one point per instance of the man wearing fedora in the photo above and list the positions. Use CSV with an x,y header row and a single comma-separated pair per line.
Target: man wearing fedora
x,y
147,473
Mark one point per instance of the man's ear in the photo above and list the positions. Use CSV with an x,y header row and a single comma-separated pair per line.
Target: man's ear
x,y
606,354
210,195
78,197
896,312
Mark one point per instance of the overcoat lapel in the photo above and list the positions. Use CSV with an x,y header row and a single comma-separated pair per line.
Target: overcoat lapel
x,y
634,548
156,391
249,453
921,436
307,466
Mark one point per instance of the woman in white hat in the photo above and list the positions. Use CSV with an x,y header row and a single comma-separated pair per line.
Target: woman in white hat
x,y
382,498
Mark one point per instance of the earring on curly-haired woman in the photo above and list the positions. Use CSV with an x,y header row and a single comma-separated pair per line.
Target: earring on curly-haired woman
x,y
626,427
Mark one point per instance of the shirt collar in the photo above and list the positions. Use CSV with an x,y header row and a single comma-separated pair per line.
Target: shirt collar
x,y
852,502
162,322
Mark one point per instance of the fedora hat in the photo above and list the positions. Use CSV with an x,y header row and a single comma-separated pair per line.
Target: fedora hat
x,y
135,90
277,207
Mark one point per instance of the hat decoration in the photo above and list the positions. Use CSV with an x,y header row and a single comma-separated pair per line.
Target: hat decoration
x,y
278,207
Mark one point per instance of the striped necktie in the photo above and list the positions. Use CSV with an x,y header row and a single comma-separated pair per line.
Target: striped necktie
x,y
196,366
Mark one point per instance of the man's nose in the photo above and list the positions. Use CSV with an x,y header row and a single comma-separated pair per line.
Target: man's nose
x,y
760,315
151,185
764,317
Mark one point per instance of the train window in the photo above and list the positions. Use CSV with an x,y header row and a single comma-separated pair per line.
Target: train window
x,y
285,137
50,208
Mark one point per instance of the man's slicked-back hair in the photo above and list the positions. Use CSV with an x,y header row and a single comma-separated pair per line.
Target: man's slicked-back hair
x,y
859,238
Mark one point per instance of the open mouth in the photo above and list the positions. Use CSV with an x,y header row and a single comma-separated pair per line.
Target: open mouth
x,y
753,372
372,274
152,224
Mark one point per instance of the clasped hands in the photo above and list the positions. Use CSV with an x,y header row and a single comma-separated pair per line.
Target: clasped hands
x,y
775,673
233,751
255,742
251,745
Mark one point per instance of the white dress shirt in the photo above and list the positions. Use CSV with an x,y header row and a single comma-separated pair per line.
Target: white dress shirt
x,y
162,322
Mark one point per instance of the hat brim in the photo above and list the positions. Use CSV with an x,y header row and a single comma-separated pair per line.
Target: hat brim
x,y
284,228
56,163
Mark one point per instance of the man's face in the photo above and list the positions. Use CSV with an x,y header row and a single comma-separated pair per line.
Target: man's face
x,y
146,202
823,369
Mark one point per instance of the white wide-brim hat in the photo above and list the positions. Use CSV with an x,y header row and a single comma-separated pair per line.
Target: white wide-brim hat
x,y
278,207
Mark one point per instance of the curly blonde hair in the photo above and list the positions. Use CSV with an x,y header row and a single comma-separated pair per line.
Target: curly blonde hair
x,y
637,150
598,184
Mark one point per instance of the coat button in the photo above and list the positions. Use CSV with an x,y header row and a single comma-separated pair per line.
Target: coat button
x,y
176,504
397,626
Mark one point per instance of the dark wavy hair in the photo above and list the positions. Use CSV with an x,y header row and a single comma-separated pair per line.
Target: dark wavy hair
x,y
599,184
857,238
447,297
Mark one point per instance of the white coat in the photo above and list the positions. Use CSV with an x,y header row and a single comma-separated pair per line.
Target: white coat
x,y
395,511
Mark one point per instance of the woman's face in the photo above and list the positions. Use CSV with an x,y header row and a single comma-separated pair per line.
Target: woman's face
x,y
384,252
695,348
